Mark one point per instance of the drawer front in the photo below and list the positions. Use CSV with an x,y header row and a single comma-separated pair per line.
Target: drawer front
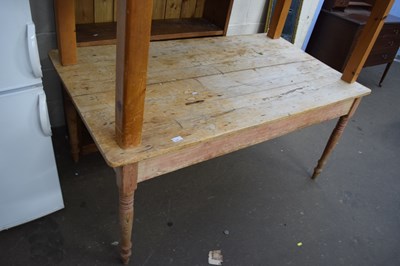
x,y
391,31
379,58
386,45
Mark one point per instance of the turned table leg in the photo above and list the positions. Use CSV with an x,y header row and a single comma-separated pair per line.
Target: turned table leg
x,y
334,138
127,184
72,118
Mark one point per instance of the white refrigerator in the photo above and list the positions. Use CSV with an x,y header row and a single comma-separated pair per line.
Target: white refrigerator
x,y
29,184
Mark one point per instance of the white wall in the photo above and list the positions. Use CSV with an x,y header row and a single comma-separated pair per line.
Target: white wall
x,y
248,16
307,14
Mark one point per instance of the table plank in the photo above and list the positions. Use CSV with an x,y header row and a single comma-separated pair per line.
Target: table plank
x,y
204,90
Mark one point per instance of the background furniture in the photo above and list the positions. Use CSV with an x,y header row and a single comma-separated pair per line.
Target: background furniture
x,y
171,19
336,34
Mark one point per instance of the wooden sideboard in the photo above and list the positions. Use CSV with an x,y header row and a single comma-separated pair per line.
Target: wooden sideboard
x,y
336,33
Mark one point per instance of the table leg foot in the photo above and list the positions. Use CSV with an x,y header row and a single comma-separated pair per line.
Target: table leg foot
x,y
333,140
126,223
127,184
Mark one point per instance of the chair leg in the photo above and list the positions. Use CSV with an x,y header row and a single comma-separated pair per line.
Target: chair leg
x,y
385,73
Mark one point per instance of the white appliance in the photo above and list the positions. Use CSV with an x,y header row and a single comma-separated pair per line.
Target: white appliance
x,y
29,184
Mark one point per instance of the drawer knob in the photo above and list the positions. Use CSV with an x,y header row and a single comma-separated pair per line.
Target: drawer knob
x,y
385,56
396,31
391,43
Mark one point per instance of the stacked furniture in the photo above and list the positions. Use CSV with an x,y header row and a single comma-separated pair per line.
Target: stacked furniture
x,y
171,19
338,28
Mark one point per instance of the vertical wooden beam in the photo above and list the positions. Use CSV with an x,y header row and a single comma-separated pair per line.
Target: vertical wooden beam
x,y
66,37
366,40
335,137
278,20
133,41
127,184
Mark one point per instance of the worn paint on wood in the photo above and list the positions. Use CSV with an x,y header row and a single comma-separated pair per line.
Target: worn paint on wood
x,y
205,90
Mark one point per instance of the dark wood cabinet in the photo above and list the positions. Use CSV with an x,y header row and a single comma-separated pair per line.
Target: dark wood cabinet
x,y
336,33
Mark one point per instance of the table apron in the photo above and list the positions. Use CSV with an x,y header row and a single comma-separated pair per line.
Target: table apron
x,y
206,150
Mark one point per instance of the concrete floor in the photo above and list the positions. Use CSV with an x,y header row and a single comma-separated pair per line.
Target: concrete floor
x,y
261,197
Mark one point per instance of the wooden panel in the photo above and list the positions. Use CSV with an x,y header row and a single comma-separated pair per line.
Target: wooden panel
x,y
203,90
218,12
105,33
173,9
367,40
188,8
66,37
159,9
84,12
96,34
183,28
133,40
103,10
115,10
278,20
198,13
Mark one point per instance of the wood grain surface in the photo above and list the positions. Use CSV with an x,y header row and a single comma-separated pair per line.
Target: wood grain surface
x,y
206,90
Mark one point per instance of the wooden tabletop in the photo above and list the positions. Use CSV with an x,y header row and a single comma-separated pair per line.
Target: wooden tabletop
x,y
201,90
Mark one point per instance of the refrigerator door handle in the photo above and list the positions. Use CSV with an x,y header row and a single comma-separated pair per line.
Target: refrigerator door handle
x,y
44,115
33,50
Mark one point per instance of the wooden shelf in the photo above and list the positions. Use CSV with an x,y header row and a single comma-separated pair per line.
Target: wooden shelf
x,y
163,29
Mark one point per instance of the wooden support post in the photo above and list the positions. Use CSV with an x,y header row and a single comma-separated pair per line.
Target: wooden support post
x,y
366,40
133,41
66,36
335,137
127,184
278,20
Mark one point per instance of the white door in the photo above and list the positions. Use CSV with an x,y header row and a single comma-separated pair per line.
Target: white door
x,y
19,57
29,184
